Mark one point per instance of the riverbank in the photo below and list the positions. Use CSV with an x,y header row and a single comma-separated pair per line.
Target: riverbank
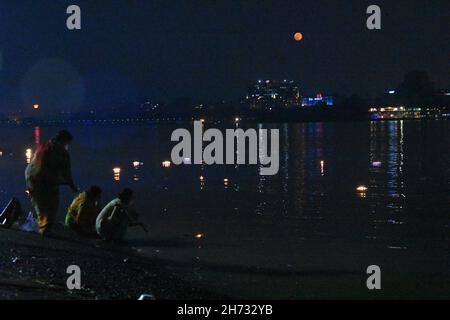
x,y
32,267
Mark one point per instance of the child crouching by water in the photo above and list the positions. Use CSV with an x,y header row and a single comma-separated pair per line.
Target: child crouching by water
x,y
114,220
83,212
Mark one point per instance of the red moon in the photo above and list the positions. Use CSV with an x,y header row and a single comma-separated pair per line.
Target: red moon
x,y
298,36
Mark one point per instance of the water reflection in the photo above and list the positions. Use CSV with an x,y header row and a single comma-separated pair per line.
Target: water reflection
x,y
37,136
321,165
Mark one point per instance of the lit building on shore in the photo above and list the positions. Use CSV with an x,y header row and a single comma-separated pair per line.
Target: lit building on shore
x,y
272,94
318,100
395,113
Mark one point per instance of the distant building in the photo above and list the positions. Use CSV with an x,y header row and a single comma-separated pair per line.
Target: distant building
x,y
318,100
272,94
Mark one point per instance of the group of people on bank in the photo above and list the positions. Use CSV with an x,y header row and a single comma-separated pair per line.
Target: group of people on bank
x,y
49,169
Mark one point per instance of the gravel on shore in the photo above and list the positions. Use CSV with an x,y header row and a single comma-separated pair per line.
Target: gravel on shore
x,y
33,267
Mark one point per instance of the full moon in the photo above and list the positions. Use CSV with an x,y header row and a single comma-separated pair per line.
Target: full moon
x,y
298,36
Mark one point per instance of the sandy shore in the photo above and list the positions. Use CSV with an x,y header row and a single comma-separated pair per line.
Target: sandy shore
x,y
32,267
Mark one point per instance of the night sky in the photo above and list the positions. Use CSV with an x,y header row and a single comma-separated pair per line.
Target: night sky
x,y
212,49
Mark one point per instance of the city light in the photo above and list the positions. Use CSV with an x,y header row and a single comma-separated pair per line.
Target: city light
x,y
199,236
361,188
166,164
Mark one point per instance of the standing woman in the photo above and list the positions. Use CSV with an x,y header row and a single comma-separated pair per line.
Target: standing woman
x,y
49,169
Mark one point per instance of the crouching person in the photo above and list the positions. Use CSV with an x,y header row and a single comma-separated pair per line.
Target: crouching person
x,y
82,214
113,221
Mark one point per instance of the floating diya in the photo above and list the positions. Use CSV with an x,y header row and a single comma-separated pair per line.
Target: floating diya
x,y
137,164
361,189
117,172
29,155
166,164
376,164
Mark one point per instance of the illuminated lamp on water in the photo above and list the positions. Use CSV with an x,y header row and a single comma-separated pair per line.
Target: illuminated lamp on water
x,y
137,164
29,155
117,172
199,236
361,189
166,164
36,106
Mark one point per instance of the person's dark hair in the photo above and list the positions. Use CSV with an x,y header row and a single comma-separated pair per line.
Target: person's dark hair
x,y
64,136
126,195
94,192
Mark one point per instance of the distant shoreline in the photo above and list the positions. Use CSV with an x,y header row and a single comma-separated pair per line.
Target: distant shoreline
x,y
136,121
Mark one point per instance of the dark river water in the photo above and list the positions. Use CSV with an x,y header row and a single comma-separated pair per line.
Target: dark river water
x,y
303,233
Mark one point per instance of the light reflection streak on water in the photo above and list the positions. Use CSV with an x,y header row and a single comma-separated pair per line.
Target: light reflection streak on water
x,y
37,135
261,206
285,169
395,165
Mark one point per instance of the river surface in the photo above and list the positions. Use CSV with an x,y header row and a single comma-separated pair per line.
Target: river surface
x,y
303,233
